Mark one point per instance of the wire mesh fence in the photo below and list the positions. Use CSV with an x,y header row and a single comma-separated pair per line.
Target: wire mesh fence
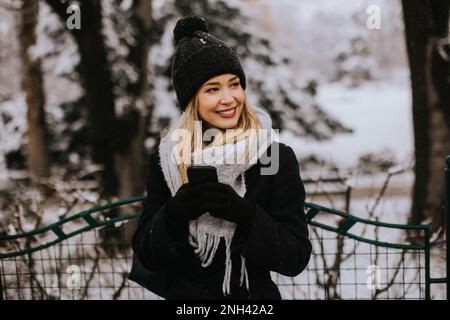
x,y
344,268
86,257
85,266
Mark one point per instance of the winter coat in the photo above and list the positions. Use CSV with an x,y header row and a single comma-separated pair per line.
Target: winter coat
x,y
276,239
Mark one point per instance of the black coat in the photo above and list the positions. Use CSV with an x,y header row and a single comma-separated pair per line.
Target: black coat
x,y
276,240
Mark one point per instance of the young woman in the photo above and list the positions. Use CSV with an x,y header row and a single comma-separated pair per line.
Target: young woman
x,y
220,240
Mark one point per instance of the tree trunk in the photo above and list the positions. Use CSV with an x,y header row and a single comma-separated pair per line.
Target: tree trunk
x,y
426,23
96,79
130,162
99,92
32,85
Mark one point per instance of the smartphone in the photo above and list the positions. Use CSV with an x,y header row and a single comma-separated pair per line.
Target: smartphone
x,y
201,174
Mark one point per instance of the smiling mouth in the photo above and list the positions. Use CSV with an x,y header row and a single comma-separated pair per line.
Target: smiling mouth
x,y
227,113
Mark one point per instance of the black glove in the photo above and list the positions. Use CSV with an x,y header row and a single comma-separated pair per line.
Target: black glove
x,y
186,204
221,201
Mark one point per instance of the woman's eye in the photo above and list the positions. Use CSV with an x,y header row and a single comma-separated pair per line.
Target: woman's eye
x,y
236,84
211,90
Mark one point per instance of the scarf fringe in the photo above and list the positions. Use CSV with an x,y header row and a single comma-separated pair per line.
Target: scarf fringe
x,y
206,247
227,279
244,273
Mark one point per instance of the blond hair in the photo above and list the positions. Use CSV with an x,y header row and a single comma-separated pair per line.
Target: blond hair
x,y
186,144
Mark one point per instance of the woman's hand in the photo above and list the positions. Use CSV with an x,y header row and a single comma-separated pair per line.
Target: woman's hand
x,y
221,201
186,204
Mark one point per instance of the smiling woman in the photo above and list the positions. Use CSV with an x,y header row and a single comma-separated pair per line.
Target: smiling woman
x,y
221,101
219,240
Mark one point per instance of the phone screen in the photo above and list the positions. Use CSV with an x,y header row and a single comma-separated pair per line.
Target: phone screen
x,y
201,174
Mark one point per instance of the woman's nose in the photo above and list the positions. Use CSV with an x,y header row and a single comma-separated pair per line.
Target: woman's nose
x,y
226,97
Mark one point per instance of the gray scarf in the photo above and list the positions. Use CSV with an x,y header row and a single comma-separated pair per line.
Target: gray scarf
x,y
206,231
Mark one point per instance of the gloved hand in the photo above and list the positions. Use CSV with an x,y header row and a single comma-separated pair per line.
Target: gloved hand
x,y
221,201
186,204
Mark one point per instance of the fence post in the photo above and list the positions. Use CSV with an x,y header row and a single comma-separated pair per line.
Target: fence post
x,y
447,218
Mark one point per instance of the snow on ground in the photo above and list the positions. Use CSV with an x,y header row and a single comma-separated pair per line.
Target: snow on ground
x,y
380,114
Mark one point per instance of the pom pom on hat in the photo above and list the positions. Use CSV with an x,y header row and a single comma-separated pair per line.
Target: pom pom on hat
x,y
186,27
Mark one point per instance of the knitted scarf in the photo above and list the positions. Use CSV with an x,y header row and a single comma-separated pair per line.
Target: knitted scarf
x,y
206,231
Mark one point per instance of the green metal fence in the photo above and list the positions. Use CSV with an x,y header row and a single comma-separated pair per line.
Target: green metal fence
x,y
82,257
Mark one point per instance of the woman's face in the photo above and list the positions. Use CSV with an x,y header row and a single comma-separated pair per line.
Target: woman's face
x,y
220,101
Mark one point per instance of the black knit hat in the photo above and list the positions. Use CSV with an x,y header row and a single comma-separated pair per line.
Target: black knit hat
x,y
199,56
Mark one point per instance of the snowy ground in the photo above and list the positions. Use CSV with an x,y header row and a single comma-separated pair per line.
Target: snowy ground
x,y
380,114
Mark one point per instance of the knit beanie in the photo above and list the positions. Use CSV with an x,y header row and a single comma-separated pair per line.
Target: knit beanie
x,y
198,57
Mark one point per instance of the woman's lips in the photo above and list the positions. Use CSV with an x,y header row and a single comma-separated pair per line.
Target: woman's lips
x,y
227,113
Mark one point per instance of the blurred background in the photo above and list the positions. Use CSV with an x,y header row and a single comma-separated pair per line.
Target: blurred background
x,y
359,89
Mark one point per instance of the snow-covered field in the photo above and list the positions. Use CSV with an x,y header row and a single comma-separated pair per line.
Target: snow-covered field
x,y
379,112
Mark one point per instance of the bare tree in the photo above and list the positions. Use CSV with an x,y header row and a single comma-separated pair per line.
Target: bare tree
x,y
96,81
130,153
117,140
32,85
426,29
130,163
